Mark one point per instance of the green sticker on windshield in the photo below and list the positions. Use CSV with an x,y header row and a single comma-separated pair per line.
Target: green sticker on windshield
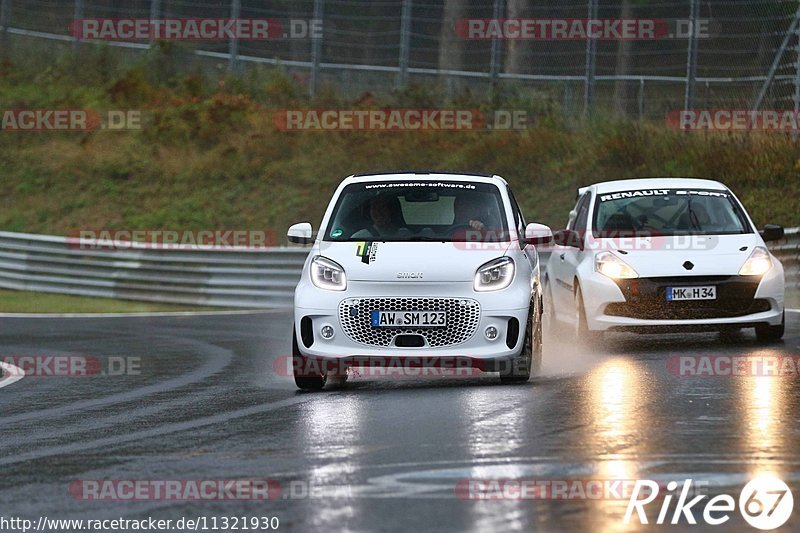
x,y
336,233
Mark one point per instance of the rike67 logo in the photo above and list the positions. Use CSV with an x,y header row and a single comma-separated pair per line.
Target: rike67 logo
x,y
765,503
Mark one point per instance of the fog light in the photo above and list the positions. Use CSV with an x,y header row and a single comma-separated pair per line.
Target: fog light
x,y
327,332
491,333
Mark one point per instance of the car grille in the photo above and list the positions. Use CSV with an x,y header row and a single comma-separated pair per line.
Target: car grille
x,y
463,315
645,298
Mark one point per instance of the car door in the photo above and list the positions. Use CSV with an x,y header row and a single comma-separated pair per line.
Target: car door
x,y
568,257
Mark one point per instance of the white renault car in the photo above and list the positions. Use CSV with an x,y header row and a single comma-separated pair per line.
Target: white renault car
x,y
418,268
663,254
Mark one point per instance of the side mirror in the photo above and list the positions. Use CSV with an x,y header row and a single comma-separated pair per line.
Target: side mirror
x,y
772,232
569,238
537,235
300,233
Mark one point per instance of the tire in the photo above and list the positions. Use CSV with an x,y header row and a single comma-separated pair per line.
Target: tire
x,y
304,377
767,333
529,361
584,335
551,326
730,335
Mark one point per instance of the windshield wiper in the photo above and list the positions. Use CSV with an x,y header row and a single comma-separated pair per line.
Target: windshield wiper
x,y
693,216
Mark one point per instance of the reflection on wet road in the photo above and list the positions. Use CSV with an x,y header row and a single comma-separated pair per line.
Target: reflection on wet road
x,y
379,453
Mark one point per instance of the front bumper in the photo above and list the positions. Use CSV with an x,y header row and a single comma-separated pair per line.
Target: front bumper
x,y
315,309
641,304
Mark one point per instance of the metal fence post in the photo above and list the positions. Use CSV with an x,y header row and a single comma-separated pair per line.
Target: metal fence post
x,y
316,48
567,100
75,18
233,45
5,14
5,22
796,78
494,58
405,43
591,64
155,13
691,59
641,98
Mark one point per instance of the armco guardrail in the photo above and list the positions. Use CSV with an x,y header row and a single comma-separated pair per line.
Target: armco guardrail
x,y
788,252
252,278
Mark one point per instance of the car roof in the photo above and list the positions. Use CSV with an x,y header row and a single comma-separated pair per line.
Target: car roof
x,y
412,175
651,183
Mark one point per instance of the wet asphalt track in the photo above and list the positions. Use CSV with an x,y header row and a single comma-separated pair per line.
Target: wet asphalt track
x,y
384,455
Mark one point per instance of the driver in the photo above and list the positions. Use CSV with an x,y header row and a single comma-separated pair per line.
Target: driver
x,y
469,212
384,215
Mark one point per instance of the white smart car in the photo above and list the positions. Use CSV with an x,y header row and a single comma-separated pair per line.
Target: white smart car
x,y
418,268
663,254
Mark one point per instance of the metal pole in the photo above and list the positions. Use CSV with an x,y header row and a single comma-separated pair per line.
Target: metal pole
x,y
641,98
494,58
691,60
233,45
316,49
78,15
155,13
405,44
796,79
5,14
567,100
5,22
591,63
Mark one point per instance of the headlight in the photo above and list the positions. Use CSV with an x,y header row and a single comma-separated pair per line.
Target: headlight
x,y
327,274
612,266
757,264
495,275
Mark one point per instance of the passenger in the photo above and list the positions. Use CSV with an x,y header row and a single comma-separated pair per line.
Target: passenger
x,y
384,214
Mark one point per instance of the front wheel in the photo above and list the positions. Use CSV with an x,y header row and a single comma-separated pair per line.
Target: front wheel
x,y
550,323
583,334
306,376
767,333
529,361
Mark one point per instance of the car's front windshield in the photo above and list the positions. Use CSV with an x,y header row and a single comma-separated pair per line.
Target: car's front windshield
x,y
668,212
418,211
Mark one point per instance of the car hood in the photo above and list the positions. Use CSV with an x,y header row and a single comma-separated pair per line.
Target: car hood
x,y
405,261
707,255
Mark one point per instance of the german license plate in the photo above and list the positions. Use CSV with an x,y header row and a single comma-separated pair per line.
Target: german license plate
x,y
677,294
395,319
